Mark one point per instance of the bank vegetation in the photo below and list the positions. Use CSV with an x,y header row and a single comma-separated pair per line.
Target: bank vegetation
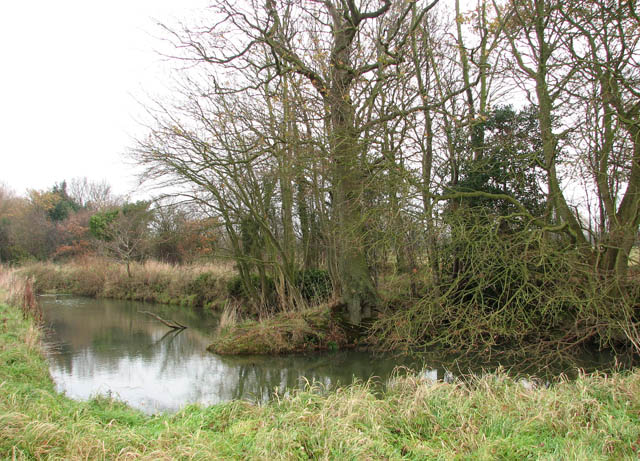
x,y
486,417
465,177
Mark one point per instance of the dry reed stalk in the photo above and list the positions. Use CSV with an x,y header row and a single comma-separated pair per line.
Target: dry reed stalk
x,y
30,306
229,315
18,291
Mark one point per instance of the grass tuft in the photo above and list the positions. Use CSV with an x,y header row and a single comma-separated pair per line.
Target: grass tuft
x,y
285,332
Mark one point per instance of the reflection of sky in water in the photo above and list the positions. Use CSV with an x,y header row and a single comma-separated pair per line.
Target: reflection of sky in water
x,y
108,347
149,383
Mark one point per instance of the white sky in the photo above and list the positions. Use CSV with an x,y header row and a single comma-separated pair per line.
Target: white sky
x,y
70,74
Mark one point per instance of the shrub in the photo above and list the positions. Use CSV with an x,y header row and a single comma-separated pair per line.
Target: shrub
x,y
237,289
506,289
314,284
205,289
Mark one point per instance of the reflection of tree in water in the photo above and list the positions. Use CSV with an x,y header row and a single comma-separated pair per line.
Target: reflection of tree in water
x,y
110,335
106,331
109,345
259,377
171,350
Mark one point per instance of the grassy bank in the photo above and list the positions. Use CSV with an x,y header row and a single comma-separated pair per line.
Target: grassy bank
x,y
286,332
565,315
493,417
201,285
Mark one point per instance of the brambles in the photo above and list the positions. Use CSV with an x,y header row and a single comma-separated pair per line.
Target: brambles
x,y
516,289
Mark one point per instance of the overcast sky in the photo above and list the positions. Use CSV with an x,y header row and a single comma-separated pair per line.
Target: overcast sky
x,y
70,75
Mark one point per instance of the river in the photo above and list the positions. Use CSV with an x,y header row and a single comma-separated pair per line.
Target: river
x,y
107,347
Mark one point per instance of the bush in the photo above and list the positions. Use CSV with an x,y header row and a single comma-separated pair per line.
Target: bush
x,y
314,284
237,289
204,289
506,289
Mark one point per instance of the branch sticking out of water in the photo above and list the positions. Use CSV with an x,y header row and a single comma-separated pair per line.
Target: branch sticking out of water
x,y
171,324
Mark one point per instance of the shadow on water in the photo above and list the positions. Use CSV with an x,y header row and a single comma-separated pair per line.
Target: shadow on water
x,y
108,347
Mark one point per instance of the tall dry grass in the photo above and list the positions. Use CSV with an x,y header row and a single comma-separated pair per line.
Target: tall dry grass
x,y
151,281
19,291
230,316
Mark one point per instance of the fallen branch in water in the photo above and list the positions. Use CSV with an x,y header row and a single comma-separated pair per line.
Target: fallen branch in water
x,y
175,325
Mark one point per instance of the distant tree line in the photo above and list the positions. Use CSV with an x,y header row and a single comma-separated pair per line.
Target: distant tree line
x,y
83,218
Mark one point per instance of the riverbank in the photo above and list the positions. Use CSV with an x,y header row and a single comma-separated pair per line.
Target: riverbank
x,y
287,332
594,417
204,285
567,317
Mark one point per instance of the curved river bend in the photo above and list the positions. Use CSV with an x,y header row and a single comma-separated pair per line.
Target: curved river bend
x,y
107,347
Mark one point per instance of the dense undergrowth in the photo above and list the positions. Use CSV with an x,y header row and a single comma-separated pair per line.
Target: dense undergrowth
x,y
497,286
595,417
515,289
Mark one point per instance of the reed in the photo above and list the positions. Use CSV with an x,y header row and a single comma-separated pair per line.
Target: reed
x,y
19,291
151,281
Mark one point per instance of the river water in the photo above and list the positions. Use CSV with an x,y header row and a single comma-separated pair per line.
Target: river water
x,y
107,347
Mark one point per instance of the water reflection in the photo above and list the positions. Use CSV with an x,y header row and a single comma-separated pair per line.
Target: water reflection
x,y
108,347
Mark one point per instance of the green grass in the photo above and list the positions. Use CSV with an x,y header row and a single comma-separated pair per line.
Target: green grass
x,y
492,417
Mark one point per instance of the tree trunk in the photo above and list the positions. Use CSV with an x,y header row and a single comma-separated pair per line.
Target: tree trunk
x,y
549,145
356,285
286,189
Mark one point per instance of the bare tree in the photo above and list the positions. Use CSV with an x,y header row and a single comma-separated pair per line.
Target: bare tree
x,y
92,195
342,53
123,233
603,41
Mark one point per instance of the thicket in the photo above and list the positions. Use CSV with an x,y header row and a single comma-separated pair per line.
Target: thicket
x,y
314,285
518,289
